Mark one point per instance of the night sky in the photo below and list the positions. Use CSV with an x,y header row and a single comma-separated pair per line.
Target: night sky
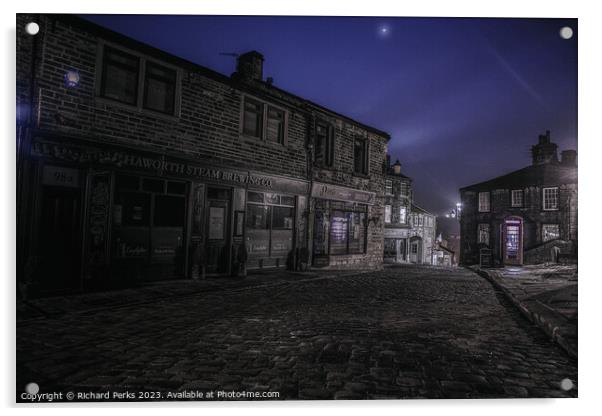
x,y
463,99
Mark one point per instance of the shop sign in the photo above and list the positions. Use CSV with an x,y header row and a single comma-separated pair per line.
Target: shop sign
x,y
340,193
60,176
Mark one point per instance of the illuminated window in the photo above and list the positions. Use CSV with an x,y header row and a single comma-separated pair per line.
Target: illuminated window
x,y
484,205
403,213
517,198
550,199
483,234
550,232
388,214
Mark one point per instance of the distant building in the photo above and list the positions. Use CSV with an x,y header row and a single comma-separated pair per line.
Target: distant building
x,y
409,230
527,216
442,254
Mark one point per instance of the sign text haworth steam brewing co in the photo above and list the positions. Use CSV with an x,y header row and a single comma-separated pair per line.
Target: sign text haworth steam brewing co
x,y
155,164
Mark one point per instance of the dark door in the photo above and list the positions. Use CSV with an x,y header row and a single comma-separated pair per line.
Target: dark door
x,y
59,240
218,216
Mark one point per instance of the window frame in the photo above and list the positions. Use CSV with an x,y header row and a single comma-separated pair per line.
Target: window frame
x,y
389,210
388,187
543,198
487,227
263,120
148,64
138,105
488,201
543,227
365,168
405,214
522,198
329,145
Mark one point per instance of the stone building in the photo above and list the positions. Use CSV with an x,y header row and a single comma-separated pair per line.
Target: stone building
x,y
134,164
526,216
409,230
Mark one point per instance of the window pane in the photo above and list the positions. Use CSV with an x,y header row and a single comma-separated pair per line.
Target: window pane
x,y
338,232
275,127
483,234
252,118
551,232
359,156
287,200
550,198
282,218
120,76
255,197
517,198
272,198
169,211
402,215
159,94
176,188
257,216
387,213
357,232
484,201
135,208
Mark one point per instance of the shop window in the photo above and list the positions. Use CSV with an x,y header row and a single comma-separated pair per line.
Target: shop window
x,y
272,198
483,234
360,155
275,126
159,88
282,218
169,211
153,185
178,188
287,200
550,199
550,232
258,217
324,145
347,232
252,118
135,209
120,76
390,249
126,182
218,193
484,205
516,198
255,197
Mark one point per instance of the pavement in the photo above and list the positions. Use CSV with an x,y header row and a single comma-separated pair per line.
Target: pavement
x,y
546,294
402,332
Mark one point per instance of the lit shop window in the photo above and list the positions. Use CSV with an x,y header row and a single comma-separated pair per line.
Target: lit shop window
x,y
347,232
550,232
484,205
517,198
550,199
483,234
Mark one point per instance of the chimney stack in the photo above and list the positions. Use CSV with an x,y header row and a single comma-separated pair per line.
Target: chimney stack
x,y
568,157
544,151
250,66
397,168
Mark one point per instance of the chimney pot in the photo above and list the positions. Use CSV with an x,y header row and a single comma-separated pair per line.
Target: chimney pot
x,y
568,157
397,168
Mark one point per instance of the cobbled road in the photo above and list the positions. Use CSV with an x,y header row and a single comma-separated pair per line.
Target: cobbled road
x,y
408,332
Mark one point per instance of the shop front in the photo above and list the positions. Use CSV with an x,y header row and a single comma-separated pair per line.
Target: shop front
x,y
396,248
340,223
107,216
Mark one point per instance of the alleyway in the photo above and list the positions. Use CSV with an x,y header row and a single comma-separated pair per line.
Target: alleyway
x,y
400,333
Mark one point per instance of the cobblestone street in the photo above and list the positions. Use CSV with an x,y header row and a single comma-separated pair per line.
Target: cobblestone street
x,y
405,332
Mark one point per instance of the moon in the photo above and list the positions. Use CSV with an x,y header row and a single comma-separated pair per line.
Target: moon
x,y
566,32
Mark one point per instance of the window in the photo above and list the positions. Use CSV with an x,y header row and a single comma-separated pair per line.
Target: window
x,y
390,249
252,118
347,231
483,234
550,232
388,214
550,199
517,198
484,205
282,218
360,156
324,144
120,76
403,215
405,189
257,217
388,187
275,126
159,88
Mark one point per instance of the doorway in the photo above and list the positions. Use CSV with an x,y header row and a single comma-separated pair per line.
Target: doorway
x,y
218,215
59,242
416,250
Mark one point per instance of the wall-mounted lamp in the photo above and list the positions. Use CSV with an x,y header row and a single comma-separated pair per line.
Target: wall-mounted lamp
x,y
72,78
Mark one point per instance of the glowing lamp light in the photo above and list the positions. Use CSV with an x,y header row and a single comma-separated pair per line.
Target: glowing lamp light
x,y
72,78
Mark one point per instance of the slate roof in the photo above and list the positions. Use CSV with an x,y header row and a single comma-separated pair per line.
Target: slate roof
x,y
545,174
